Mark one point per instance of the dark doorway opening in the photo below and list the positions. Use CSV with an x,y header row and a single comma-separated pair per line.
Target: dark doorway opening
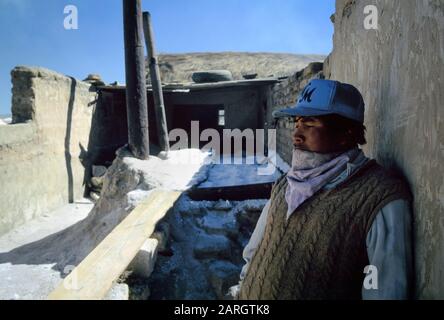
x,y
208,116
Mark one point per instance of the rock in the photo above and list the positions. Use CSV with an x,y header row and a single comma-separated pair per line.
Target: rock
x,y
97,182
248,213
248,219
192,210
139,288
94,196
162,234
95,189
223,205
98,171
163,155
140,292
232,293
223,275
119,291
143,263
163,284
252,205
218,223
215,246
193,284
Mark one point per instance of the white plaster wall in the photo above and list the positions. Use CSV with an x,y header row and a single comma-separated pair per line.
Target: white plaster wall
x,y
399,69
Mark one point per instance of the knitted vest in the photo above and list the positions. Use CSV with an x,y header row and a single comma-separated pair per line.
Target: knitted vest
x,y
320,252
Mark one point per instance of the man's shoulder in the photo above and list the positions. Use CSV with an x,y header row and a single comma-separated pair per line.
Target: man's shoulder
x,y
386,173
384,178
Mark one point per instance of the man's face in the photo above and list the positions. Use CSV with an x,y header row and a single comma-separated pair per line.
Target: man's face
x,y
311,134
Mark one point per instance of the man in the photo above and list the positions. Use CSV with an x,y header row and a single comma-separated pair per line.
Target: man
x,y
336,217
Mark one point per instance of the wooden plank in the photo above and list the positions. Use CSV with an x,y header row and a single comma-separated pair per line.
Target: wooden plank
x,y
94,276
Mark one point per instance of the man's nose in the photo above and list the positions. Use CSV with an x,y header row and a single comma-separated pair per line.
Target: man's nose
x,y
297,127
298,133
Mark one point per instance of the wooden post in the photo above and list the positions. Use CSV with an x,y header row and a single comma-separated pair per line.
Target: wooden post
x,y
136,95
156,83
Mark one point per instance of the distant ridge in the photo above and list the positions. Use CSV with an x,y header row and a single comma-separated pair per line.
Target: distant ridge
x,y
180,67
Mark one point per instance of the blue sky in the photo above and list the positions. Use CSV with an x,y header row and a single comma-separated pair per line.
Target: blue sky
x,y
32,32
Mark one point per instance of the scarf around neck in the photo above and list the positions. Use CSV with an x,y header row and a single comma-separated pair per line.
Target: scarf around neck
x,y
310,171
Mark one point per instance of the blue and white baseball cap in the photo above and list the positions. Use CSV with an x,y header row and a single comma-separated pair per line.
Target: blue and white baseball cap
x,y
322,97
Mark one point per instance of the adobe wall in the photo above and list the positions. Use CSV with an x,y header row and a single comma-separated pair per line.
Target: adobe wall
x,y
399,69
41,153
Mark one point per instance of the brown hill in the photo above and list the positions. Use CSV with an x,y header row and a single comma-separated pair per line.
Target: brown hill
x,y
179,67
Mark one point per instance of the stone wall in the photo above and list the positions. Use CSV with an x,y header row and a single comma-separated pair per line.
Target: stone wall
x,y
399,70
41,153
283,95
203,256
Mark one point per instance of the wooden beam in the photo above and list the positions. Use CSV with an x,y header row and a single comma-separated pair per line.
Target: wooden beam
x,y
203,86
156,83
94,276
237,193
136,99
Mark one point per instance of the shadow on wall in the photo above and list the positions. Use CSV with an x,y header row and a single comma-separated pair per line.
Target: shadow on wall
x,y
88,156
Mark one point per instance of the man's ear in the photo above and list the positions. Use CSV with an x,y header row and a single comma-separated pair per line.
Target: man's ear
x,y
347,138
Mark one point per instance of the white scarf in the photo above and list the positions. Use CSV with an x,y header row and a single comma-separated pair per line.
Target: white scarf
x,y
310,171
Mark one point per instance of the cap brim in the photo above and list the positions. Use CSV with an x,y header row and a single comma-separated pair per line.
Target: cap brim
x,y
299,112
